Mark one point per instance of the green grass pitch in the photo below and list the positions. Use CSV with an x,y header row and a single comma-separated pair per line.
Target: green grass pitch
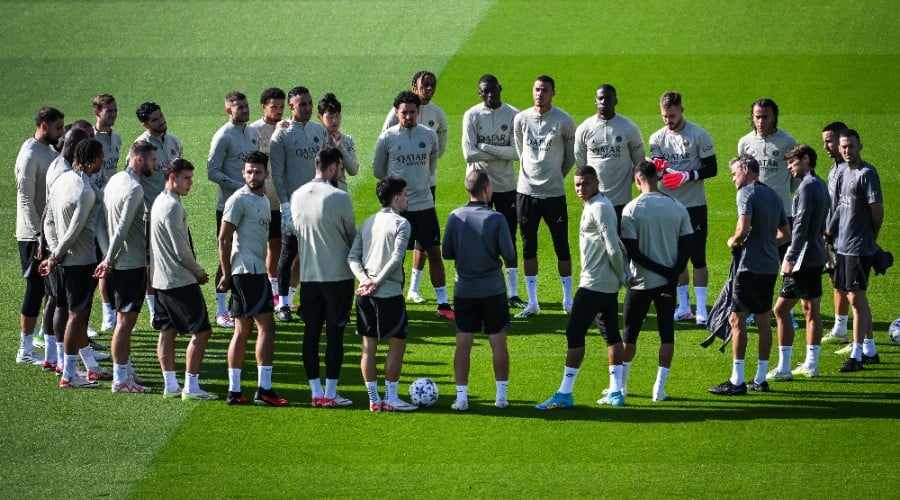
x,y
835,436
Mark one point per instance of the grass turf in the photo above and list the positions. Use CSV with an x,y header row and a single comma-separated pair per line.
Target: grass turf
x,y
831,61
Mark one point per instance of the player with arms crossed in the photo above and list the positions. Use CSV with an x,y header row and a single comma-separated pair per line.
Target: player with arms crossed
x,y
376,258
691,158
487,144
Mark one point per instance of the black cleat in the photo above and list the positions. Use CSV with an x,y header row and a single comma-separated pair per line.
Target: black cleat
x,y
236,398
284,314
763,387
515,301
267,397
728,389
851,365
871,360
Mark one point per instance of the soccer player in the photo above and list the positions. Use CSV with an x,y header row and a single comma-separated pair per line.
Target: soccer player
x,y
105,114
229,144
32,163
293,157
612,145
603,273
854,232
168,147
376,258
323,218
830,141
476,239
757,254
424,85
123,242
802,266
689,151
487,145
409,151
242,255
272,101
176,276
74,205
657,234
329,109
544,137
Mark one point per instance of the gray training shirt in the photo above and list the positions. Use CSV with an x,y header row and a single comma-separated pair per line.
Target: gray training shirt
x,y
476,237
226,158
809,210
759,253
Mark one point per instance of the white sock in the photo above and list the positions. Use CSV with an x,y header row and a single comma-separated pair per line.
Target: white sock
x,y
512,281
264,377
662,375
700,293
868,347
441,294
70,368
502,385
684,300
26,342
61,352
856,351
462,393
372,390
191,382
291,292
812,356
234,380
108,312
737,372
151,303
87,356
274,283
390,390
616,379
120,373
841,322
171,381
415,278
568,380
221,303
784,358
531,287
626,369
315,386
331,388
566,288
50,348
762,366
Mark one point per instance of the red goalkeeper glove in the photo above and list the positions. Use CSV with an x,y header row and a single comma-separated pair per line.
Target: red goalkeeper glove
x,y
661,165
674,180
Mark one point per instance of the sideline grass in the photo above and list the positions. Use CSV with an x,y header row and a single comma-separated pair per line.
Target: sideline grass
x,y
722,57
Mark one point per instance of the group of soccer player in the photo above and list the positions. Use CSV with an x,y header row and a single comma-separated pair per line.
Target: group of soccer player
x,y
285,223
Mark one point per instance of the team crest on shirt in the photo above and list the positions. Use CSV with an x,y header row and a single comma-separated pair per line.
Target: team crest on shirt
x,y
421,145
618,138
253,141
775,152
315,139
431,123
687,143
504,127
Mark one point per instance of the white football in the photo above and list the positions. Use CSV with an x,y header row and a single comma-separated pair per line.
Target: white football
x,y
894,331
423,392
